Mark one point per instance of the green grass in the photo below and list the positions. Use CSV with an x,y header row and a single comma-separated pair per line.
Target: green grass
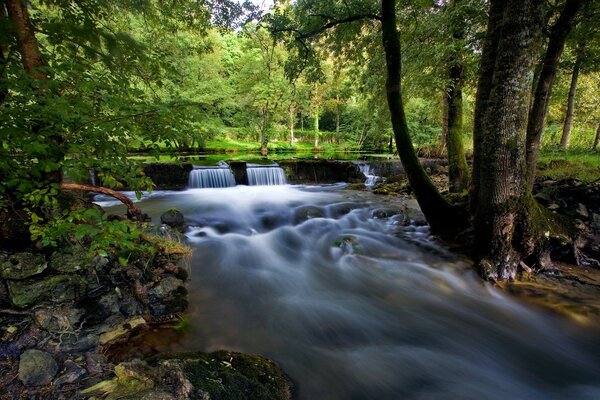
x,y
580,164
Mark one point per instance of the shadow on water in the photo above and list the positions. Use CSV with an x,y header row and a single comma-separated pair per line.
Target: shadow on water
x,y
351,310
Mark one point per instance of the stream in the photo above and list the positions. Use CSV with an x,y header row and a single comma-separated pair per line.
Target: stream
x,y
354,304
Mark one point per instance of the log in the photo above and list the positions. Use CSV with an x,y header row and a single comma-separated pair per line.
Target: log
x,y
132,211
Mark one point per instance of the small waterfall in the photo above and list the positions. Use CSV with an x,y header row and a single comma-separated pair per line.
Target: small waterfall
x,y
266,175
369,174
211,177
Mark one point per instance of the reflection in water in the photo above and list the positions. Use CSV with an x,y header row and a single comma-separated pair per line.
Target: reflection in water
x,y
313,280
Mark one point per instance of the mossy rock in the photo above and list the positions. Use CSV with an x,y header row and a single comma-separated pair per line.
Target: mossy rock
x,y
56,289
21,265
70,260
231,376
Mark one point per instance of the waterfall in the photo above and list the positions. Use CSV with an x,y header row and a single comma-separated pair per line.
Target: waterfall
x,y
210,177
266,175
369,174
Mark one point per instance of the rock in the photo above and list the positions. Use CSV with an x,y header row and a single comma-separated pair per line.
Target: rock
x,y
109,303
122,331
167,297
70,260
58,288
61,319
341,209
94,363
37,368
383,213
304,213
173,218
553,206
79,343
596,221
21,265
582,210
72,373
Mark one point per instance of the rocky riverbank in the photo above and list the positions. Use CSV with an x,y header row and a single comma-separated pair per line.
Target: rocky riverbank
x,y
60,313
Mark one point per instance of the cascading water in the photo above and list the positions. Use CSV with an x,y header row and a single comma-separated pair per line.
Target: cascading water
x,y
260,175
355,305
211,177
367,171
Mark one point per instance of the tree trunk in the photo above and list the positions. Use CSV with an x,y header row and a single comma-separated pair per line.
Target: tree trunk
x,y
316,127
568,126
132,210
292,118
444,122
337,118
3,55
505,211
537,115
458,171
597,138
484,86
437,210
263,130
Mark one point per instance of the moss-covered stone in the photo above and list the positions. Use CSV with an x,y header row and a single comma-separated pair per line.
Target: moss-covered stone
x,y
21,265
122,331
70,260
56,289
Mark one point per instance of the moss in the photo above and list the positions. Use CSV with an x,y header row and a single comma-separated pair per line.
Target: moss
x,y
58,288
232,376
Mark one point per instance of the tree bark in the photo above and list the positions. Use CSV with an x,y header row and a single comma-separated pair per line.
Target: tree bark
x,y
316,127
337,118
505,206
437,210
597,138
292,118
537,115
484,87
263,130
568,126
132,210
31,57
3,55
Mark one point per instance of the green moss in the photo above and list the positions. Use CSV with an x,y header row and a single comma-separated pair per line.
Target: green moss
x,y
582,165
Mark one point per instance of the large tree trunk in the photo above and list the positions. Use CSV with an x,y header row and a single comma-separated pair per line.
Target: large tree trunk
x,y
458,170
568,126
437,210
3,55
316,127
537,115
506,209
484,86
597,138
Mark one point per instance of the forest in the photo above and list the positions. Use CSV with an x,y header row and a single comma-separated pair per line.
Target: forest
x,y
221,199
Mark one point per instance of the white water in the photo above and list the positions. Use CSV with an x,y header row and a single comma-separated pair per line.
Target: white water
x,y
211,178
369,174
269,175
355,307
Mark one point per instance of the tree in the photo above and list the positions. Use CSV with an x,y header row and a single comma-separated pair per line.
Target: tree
x,y
568,125
537,115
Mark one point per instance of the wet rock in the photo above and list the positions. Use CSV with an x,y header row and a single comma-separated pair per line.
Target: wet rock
x,y
356,186
304,213
72,373
596,221
58,288
114,333
383,213
167,297
341,209
129,306
61,319
173,218
94,363
21,265
37,368
109,303
553,206
78,343
131,381
70,260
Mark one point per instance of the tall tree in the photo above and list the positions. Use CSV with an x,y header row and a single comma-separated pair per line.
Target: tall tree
x,y
568,125
458,170
537,116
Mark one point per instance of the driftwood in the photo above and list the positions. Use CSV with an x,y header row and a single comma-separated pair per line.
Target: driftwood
x,y
132,211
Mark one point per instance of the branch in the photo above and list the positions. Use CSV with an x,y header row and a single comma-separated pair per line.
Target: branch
x,y
132,211
334,22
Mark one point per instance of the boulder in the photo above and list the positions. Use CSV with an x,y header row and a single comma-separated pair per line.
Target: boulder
x,y
169,296
70,260
57,289
72,373
58,319
37,368
173,218
21,265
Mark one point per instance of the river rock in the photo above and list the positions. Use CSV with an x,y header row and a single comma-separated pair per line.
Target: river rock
x,y
121,331
37,368
167,297
21,265
304,213
72,373
58,319
383,213
58,288
173,218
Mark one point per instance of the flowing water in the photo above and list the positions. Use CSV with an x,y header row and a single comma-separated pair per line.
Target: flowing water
x,y
355,305
211,177
265,175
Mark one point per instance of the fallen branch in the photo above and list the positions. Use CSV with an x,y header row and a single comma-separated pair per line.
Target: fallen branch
x,y
132,211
